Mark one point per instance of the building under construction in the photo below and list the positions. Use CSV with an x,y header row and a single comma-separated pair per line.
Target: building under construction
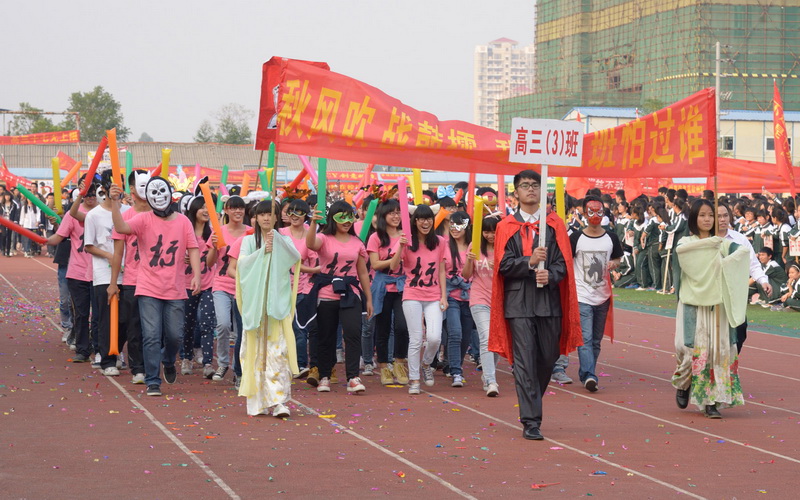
x,y
649,53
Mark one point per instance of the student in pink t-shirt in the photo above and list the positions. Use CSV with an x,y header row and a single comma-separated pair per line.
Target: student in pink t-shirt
x,y
343,266
387,292
479,270
200,321
459,318
79,272
229,321
297,212
424,295
163,238
126,246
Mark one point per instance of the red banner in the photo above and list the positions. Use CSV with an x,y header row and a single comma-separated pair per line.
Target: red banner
x,y
64,136
326,114
742,176
783,156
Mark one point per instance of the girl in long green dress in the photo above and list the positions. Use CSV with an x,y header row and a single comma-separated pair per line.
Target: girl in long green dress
x,y
711,276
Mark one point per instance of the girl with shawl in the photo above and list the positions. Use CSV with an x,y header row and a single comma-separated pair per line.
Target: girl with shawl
x,y
710,281
266,295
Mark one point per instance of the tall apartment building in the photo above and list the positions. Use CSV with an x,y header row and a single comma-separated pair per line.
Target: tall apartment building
x,y
649,53
502,69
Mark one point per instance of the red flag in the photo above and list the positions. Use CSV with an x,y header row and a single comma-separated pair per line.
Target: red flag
x,y
579,115
5,167
783,158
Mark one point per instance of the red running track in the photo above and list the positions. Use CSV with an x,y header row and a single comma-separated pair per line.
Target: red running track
x,y
68,431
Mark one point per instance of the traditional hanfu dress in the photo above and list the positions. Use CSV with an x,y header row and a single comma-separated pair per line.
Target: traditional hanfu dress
x,y
710,273
266,295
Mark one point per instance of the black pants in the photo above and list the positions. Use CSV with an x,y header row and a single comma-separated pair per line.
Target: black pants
x,y
80,292
535,353
392,304
129,306
741,336
104,327
329,314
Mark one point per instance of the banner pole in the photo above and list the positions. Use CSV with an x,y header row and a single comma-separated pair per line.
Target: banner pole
x,y
542,216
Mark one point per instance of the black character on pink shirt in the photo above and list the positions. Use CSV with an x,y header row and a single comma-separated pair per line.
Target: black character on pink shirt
x,y
157,261
417,281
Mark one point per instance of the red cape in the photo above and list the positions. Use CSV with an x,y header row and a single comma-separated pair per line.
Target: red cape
x,y
499,332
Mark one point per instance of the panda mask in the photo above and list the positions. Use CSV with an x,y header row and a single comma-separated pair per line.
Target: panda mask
x,y
158,194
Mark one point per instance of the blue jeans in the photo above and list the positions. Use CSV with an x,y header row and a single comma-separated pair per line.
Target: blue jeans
x,y
162,324
459,332
481,314
301,338
64,302
229,323
593,324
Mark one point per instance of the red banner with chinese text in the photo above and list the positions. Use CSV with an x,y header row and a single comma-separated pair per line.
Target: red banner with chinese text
x,y
326,114
65,136
742,176
783,156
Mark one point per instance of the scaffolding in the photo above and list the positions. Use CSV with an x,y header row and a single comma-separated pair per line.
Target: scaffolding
x,y
649,53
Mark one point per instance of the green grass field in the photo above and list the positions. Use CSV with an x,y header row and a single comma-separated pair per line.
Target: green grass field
x,y
785,323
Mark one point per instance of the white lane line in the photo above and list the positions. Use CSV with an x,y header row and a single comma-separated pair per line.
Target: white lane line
x,y
397,457
664,421
743,368
45,265
193,457
573,449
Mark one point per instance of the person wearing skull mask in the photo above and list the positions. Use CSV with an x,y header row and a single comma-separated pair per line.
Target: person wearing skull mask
x,y
126,249
98,242
79,271
596,253
164,236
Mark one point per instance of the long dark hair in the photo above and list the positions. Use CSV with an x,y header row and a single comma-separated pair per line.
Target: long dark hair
x,y
459,218
490,225
263,207
340,206
383,210
695,212
191,213
431,239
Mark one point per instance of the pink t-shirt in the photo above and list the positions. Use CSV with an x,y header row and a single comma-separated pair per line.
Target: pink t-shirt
x,y
307,258
206,273
454,269
162,245
422,272
481,290
339,259
80,262
131,250
223,282
385,253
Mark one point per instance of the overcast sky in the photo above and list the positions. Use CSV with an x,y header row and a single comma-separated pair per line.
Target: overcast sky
x,y
171,64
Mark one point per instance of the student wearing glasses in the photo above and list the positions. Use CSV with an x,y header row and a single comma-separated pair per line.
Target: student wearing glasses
x,y
338,290
297,212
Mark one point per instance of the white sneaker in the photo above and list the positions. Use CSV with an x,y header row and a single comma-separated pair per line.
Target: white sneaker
x,y
302,373
427,375
491,390
220,373
72,347
186,367
208,371
97,359
138,379
355,386
458,381
339,356
198,355
121,361
368,370
111,371
281,411
324,385
413,388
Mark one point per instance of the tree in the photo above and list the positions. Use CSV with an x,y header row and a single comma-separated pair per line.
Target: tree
x,y
32,123
205,133
232,126
145,137
99,111
652,105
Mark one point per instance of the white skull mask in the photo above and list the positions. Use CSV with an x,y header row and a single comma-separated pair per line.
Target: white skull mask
x,y
158,193
140,182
